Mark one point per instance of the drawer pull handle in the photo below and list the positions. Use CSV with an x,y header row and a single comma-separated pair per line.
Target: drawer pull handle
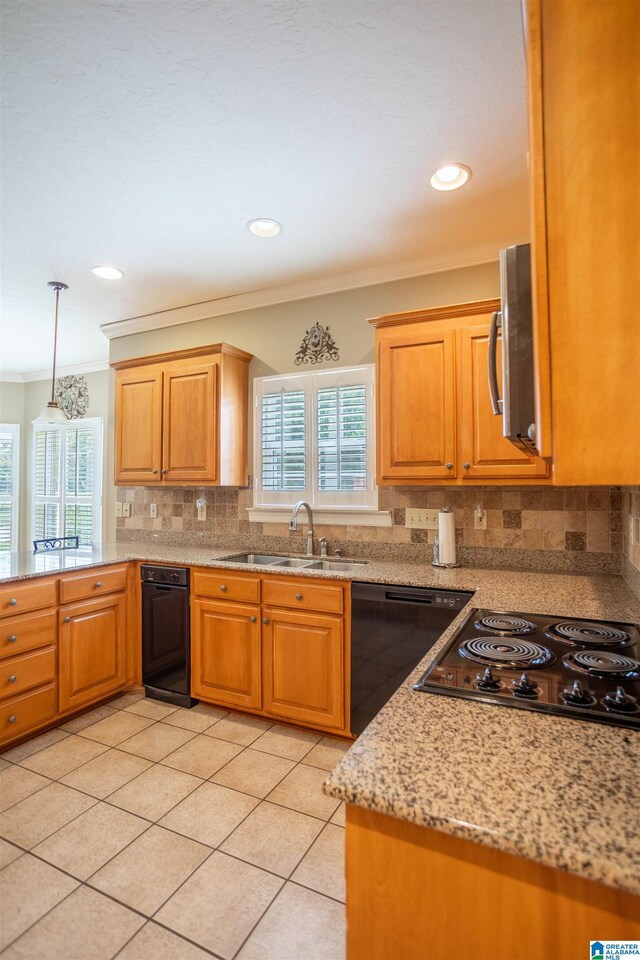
x,y
12,718
449,466
12,638
12,678
12,602
154,471
67,619
222,587
98,583
265,619
298,596
252,619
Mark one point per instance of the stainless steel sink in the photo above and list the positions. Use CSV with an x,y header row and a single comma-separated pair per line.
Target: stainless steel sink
x,y
295,563
260,559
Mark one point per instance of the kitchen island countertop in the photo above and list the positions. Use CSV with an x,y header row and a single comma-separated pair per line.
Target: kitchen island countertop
x,y
563,792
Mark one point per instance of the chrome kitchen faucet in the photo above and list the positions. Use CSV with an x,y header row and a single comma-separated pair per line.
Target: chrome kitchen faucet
x,y
293,523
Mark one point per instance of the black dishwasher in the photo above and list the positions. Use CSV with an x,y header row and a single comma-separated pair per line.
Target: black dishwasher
x,y
166,663
392,628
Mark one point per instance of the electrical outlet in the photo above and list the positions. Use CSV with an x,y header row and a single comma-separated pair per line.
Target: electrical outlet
x,y
479,519
153,510
118,508
201,504
421,519
126,509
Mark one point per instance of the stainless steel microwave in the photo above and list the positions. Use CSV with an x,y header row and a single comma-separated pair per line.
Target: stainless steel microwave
x,y
514,320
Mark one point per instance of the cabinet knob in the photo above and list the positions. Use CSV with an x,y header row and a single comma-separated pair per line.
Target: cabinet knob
x,y
163,471
252,619
449,466
466,465
265,619
298,596
223,588
12,638
12,718
98,583
67,619
12,678
154,471
12,602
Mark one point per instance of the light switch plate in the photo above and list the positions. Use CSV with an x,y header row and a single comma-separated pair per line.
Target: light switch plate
x,y
118,508
419,519
126,509
479,519
202,510
153,510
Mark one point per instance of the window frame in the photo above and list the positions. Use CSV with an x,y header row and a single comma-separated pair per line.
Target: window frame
x,y
62,499
334,507
14,497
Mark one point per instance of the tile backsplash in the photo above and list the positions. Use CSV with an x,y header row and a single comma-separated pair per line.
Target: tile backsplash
x,y
631,536
554,528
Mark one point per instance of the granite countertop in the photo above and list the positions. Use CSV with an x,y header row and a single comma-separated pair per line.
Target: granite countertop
x,y
559,791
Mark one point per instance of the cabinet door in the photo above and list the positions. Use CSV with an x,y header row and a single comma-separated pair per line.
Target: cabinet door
x,y
484,451
225,653
190,422
92,650
138,425
417,407
303,670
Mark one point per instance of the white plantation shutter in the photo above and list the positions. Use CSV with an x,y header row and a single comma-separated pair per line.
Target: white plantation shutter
x,y
314,439
68,481
9,465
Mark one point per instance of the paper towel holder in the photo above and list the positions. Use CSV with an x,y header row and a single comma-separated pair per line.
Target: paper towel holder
x,y
436,549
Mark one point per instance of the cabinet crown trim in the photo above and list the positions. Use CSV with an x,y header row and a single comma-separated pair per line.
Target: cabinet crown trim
x,y
206,350
437,313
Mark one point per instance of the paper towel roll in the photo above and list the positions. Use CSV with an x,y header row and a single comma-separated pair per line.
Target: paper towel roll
x,y
447,535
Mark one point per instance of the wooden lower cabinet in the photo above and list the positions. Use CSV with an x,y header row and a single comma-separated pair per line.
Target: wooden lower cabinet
x,y
415,894
92,650
303,667
225,653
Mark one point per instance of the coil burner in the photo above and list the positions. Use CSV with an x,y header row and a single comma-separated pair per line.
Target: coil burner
x,y
502,652
505,624
587,634
603,663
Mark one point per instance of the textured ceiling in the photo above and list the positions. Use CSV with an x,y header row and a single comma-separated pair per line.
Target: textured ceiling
x,y
145,134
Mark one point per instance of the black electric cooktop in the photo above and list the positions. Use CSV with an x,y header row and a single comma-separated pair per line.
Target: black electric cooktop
x,y
587,669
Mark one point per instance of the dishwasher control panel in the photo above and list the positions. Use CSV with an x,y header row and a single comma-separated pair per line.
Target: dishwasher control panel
x,y
176,576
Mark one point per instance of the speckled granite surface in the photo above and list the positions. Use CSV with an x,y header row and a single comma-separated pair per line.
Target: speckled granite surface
x,y
562,792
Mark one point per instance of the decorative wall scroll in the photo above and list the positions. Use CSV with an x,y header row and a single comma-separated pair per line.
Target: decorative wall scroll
x,y
72,396
317,345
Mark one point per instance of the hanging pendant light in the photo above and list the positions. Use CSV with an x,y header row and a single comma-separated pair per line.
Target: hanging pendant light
x,y
51,412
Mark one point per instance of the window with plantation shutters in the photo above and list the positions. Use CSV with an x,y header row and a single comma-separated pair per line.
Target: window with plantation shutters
x,y
314,439
9,466
67,482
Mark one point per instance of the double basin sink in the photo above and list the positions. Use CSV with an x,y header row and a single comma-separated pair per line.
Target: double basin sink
x,y
300,563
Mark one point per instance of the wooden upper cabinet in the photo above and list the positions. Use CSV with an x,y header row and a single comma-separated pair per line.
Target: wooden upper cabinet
x,y
584,103
190,417
417,405
484,451
138,453
181,418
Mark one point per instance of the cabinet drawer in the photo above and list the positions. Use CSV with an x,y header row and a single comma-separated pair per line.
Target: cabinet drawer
x,y
19,634
226,586
22,598
308,595
30,670
100,581
21,714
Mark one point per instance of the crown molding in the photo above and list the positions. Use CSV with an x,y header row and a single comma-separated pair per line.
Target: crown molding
x,y
289,292
75,369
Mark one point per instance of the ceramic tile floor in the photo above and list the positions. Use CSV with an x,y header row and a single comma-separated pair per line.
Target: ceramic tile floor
x,y
148,832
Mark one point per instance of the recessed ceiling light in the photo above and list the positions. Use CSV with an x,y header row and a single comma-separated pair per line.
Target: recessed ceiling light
x,y
264,227
108,273
450,176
